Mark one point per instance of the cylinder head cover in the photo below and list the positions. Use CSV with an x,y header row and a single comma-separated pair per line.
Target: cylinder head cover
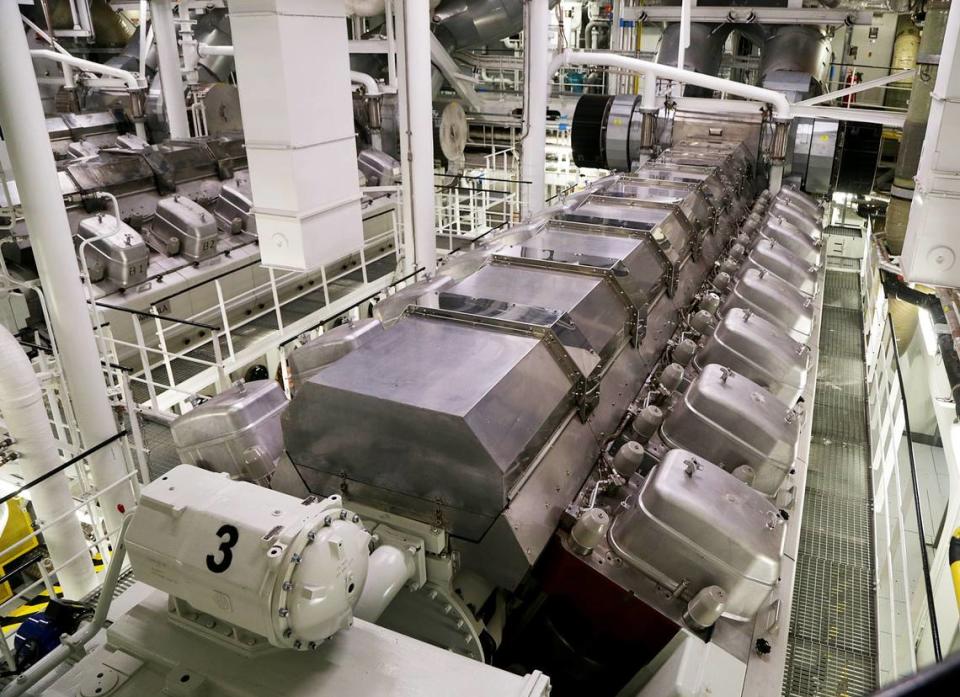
x,y
685,351
269,564
672,376
647,422
629,458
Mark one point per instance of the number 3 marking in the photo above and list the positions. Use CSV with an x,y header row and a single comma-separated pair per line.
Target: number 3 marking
x,y
226,549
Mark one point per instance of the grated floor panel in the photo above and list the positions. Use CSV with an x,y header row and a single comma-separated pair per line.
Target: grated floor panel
x,y
832,650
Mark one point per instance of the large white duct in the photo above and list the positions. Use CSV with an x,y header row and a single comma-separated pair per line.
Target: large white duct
x,y
25,416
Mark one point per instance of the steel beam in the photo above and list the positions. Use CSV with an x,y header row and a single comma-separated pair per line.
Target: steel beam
x,y
752,15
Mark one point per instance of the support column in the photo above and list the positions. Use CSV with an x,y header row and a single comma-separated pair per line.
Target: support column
x,y
171,79
419,84
915,126
28,144
536,90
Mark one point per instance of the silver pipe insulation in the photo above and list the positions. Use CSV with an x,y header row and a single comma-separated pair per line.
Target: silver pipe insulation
x,y
25,416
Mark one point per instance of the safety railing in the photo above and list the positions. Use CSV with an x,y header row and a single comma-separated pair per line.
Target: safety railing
x,y
469,204
238,318
26,567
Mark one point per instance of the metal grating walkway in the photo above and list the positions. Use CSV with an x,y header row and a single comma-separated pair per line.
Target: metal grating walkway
x,y
832,650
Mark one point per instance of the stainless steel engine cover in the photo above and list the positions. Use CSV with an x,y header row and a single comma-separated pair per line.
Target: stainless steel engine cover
x,y
594,313
773,299
664,223
634,261
810,226
759,350
692,522
309,359
234,210
435,420
180,218
118,253
774,257
732,421
705,177
791,237
237,432
691,200
802,201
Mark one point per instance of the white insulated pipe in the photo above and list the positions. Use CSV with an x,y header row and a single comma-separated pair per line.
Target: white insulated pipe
x,y
168,61
416,29
370,86
205,50
651,72
537,90
28,145
25,416
781,107
388,571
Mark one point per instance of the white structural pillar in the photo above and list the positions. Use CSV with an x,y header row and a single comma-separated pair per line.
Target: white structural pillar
x,y
416,29
684,41
28,144
536,90
25,416
168,58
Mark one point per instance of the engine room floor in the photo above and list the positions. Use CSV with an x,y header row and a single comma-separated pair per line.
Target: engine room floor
x,y
832,648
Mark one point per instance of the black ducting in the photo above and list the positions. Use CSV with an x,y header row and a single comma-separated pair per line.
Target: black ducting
x,y
894,287
587,132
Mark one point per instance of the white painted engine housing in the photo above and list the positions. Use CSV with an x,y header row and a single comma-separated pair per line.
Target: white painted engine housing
x,y
269,564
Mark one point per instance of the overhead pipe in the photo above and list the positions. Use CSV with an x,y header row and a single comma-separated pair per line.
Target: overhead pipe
x,y
28,143
701,52
534,160
25,416
168,59
210,50
374,94
369,84
132,83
